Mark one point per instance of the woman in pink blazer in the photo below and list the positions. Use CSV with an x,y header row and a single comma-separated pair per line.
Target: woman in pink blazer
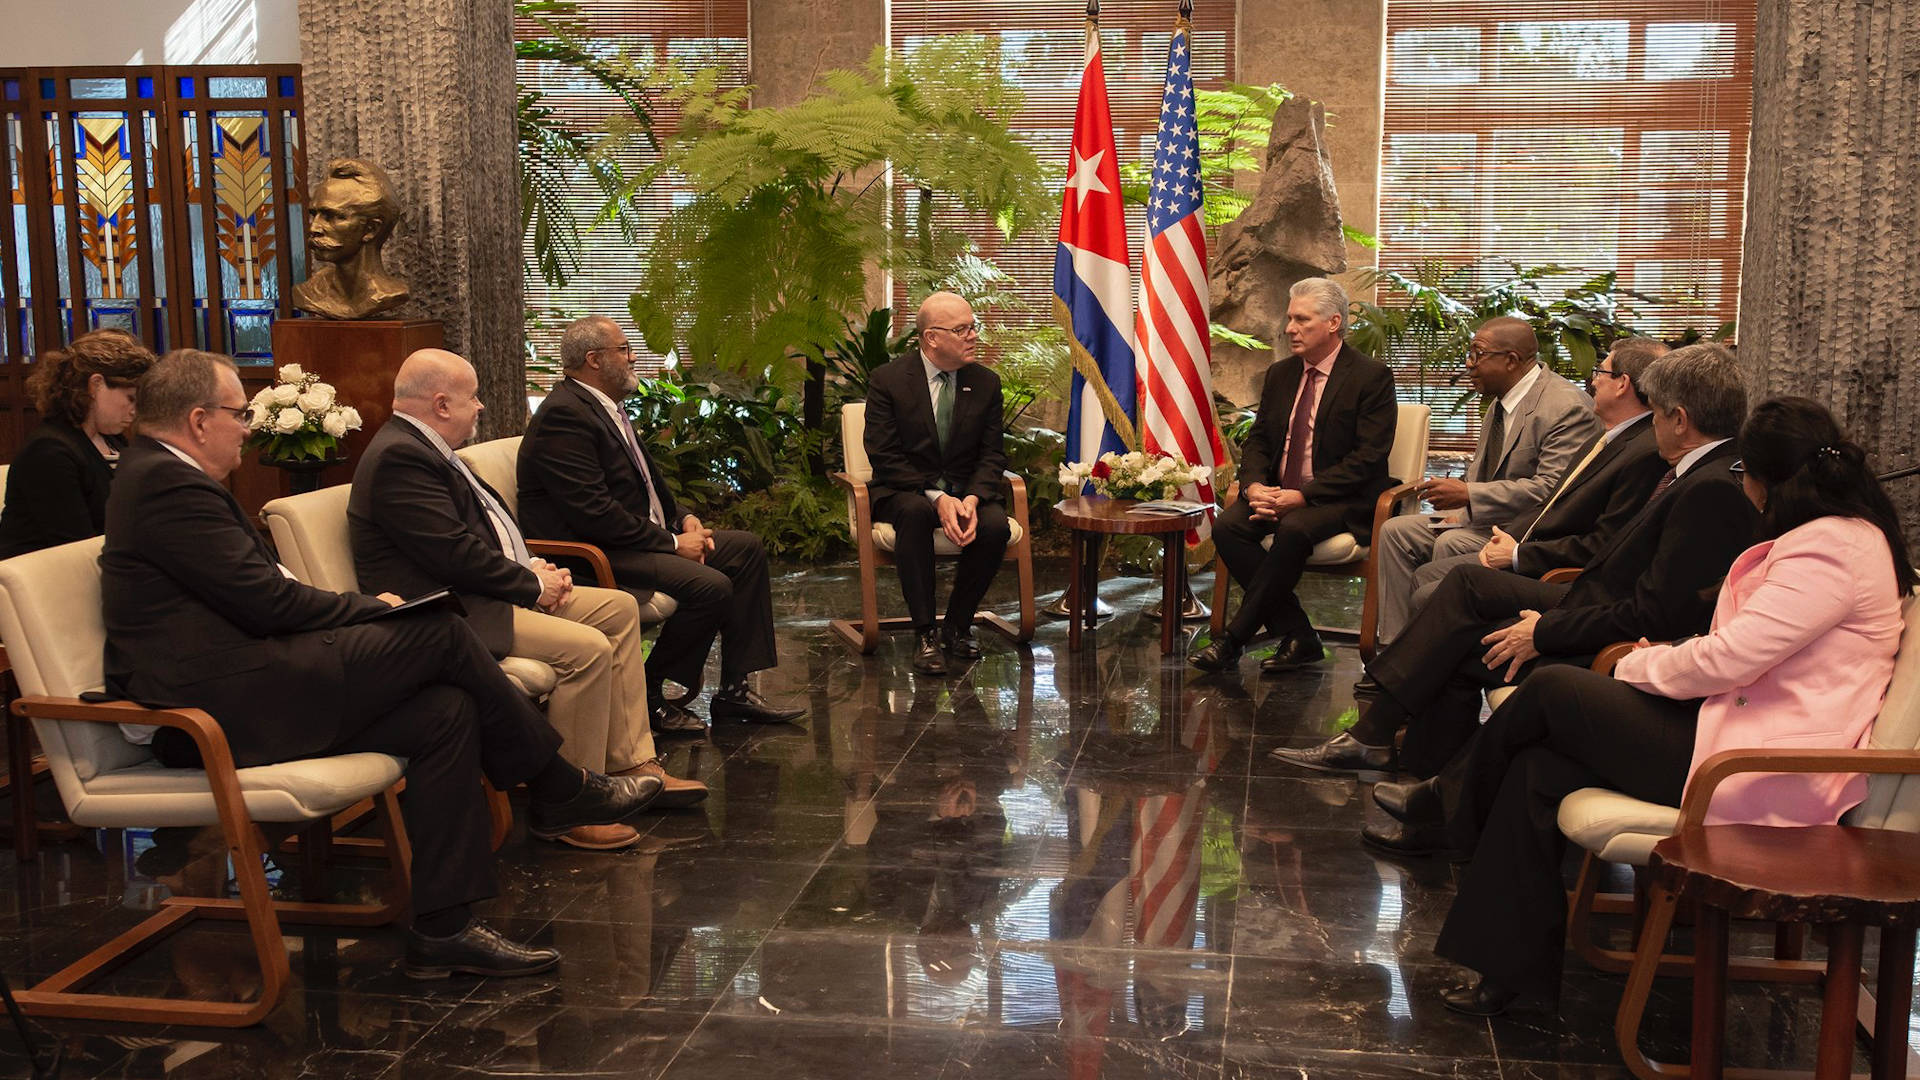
x,y
1800,653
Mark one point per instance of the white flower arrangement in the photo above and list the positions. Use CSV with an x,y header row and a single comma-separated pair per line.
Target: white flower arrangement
x,y
300,418
1133,475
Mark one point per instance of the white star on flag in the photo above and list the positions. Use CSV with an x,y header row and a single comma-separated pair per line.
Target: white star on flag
x,y
1086,175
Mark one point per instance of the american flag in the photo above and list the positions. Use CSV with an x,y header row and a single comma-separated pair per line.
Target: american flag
x,y
1171,337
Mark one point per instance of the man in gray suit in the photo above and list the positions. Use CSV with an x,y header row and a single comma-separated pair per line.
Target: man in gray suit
x,y
1536,426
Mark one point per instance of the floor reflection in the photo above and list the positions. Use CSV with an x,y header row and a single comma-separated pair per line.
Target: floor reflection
x,y
1052,864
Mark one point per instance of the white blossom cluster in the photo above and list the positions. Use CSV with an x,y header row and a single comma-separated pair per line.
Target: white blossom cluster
x,y
300,402
1133,475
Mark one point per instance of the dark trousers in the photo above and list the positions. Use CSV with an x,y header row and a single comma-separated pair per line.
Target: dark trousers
x,y
1434,670
1269,575
1566,728
728,596
419,686
914,523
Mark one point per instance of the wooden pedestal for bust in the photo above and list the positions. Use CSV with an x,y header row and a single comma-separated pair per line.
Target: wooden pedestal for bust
x,y
359,358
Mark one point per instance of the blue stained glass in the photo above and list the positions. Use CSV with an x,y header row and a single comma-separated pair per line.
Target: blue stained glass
x,y
48,88
286,86
145,83
186,86
13,89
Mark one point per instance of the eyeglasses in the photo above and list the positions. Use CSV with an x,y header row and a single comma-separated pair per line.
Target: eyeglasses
x,y
1476,355
243,413
623,347
1608,371
1738,468
964,330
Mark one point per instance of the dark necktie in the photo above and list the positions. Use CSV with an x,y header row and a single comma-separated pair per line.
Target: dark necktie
x,y
1496,443
654,513
1299,434
1666,481
943,406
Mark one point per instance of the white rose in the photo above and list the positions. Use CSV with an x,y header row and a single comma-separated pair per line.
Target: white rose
x,y
288,421
292,373
317,399
334,424
286,395
353,417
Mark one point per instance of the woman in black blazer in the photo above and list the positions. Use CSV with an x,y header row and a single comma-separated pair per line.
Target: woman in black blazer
x,y
57,485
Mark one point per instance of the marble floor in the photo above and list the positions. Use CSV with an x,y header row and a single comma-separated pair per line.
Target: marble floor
x,y
1051,865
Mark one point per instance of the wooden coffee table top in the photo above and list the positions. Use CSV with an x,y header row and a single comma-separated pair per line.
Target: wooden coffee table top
x,y
1090,513
1819,874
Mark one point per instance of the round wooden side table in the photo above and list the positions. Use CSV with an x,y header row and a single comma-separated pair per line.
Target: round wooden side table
x,y
1088,515
1844,878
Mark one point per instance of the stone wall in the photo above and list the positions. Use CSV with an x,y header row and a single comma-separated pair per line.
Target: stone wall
x,y
425,88
1829,294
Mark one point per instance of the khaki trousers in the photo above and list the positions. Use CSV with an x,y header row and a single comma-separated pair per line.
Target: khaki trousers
x,y
592,641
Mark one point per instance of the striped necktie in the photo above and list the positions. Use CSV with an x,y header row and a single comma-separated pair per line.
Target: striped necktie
x,y
1666,481
1599,445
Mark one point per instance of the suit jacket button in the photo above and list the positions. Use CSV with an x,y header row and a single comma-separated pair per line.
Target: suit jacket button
x,y
327,638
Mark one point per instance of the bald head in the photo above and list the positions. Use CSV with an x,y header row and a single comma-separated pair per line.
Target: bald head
x,y
441,390
1502,353
948,332
1515,335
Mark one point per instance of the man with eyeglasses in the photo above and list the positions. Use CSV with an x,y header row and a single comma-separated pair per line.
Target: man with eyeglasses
x,y
199,615
585,475
934,432
1537,425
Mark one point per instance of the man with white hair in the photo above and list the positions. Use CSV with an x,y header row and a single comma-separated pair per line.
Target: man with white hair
x,y
1311,468
422,520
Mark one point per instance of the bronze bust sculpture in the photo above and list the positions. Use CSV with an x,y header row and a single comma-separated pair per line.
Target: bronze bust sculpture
x,y
350,214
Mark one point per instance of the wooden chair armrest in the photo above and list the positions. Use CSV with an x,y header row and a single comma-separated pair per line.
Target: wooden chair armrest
x,y
1604,661
861,524
215,754
1561,576
1387,506
1017,484
847,481
587,553
1726,763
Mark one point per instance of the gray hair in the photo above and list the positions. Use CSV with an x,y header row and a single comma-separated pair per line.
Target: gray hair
x,y
1329,299
178,383
1631,358
581,337
1703,379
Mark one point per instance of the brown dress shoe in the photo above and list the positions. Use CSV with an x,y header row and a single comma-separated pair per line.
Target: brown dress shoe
x,y
600,837
675,793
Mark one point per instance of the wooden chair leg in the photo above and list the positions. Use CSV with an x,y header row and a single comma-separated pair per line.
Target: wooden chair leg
x,y
1633,1001
500,811
1023,562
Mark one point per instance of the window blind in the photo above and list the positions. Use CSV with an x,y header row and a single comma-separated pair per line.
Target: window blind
x,y
1603,136
690,33
1043,49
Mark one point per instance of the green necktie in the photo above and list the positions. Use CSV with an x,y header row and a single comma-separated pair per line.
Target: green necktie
x,y
943,406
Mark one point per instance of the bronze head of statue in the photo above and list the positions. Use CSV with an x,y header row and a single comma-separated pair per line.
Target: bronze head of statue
x,y
350,215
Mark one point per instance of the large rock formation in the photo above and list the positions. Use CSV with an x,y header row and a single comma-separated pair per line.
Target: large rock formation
x,y
1291,231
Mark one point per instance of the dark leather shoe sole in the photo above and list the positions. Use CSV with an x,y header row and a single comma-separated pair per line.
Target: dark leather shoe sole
x,y
723,709
677,722
1288,658
1416,803
1307,758
1209,660
1475,1001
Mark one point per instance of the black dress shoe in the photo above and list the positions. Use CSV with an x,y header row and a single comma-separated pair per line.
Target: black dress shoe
x,y
927,657
1409,841
673,718
1297,651
603,800
1342,753
1481,999
477,950
1223,654
741,702
1417,804
961,645
1366,687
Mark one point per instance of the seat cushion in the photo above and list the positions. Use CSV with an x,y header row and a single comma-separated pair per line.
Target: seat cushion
x,y
1616,827
883,538
1498,696
655,607
150,794
534,678
1333,551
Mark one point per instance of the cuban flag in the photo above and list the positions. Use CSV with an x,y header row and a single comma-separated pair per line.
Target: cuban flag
x,y
1091,277
1174,337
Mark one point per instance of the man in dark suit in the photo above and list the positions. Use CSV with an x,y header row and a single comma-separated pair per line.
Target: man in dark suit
x,y
934,429
422,520
1605,489
200,615
1311,468
585,475
1655,579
